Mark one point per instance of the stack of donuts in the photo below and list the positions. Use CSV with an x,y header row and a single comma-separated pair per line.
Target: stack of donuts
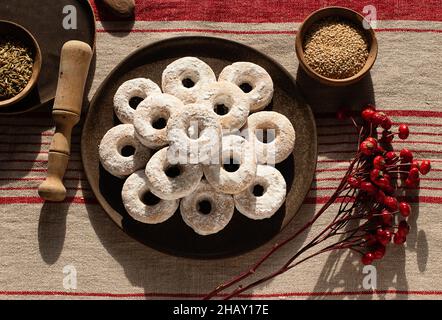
x,y
199,143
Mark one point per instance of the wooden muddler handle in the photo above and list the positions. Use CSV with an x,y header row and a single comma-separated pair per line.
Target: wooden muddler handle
x,y
74,67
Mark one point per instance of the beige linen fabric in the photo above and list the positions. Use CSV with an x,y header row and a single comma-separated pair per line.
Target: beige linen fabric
x,y
37,240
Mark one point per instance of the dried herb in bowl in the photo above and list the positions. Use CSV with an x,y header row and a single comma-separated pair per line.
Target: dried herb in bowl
x,y
336,48
16,64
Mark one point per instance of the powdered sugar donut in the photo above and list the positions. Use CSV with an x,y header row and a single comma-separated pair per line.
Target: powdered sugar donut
x,y
272,135
170,181
134,190
207,211
265,196
151,117
255,78
228,101
185,77
135,88
194,135
121,153
237,169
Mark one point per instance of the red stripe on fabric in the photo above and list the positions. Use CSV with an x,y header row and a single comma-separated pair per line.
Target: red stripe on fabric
x,y
224,31
221,31
350,125
396,141
353,151
345,169
7,143
195,295
416,124
268,11
411,199
408,30
308,200
33,200
33,160
42,179
39,152
334,188
354,133
36,188
413,113
339,179
331,170
36,170
323,188
348,161
38,134
391,112
89,189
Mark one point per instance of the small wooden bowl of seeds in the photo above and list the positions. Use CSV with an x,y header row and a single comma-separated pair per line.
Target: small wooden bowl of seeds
x,y
336,46
20,62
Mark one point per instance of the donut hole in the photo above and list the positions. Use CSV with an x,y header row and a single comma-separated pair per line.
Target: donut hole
x,y
188,83
267,136
149,199
258,190
135,101
159,118
246,87
221,109
266,133
222,104
204,207
173,171
128,151
159,123
231,165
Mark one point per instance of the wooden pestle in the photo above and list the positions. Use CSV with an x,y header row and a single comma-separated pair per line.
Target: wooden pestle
x,y
74,67
122,8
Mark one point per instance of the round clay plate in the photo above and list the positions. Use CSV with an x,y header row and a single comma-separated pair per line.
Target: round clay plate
x,y
174,236
44,19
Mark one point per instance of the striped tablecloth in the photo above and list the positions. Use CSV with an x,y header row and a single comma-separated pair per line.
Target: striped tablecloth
x,y
42,243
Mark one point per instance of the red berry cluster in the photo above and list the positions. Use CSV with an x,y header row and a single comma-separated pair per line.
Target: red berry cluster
x,y
370,214
382,174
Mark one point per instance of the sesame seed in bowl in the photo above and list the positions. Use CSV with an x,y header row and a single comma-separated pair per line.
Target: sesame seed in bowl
x,y
334,47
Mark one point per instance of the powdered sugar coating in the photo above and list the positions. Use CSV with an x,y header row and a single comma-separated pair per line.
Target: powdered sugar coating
x,y
222,208
283,143
231,98
111,146
241,151
139,87
254,75
191,68
261,207
194,135
133,190
151,109
170,188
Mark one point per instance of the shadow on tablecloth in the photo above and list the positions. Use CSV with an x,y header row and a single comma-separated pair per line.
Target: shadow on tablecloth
x,y
342,271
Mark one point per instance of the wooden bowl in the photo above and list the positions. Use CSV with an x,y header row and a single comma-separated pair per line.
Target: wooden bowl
x,y
19,33
345,14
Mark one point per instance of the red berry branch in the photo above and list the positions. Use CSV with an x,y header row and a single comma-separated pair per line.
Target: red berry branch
x,y
371,214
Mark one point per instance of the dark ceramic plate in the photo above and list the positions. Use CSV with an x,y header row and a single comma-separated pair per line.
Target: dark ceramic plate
x,y
44,19
174,236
